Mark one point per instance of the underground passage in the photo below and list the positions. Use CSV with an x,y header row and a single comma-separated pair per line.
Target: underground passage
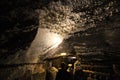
x,y
60,40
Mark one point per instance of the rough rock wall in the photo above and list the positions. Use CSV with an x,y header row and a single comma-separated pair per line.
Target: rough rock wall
x,y
81,17
69,16
19,20
18,27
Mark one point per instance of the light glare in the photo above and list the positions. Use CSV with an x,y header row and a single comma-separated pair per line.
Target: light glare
x,y
63,54
57,40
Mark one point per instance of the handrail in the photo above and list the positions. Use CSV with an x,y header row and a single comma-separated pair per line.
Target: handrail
x,y
93,66
95,72
16,65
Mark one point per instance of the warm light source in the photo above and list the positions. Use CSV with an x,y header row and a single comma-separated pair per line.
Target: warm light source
x,y
70,65
56,40
52,41
63,54
73,57
43,44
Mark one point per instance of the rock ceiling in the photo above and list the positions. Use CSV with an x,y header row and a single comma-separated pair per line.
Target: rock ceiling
x,y
72,16
93,24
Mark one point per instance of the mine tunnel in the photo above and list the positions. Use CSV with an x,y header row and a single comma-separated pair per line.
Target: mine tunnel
x,y
36,36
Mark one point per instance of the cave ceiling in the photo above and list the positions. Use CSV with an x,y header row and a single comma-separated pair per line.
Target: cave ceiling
x,y
88,27
92,23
